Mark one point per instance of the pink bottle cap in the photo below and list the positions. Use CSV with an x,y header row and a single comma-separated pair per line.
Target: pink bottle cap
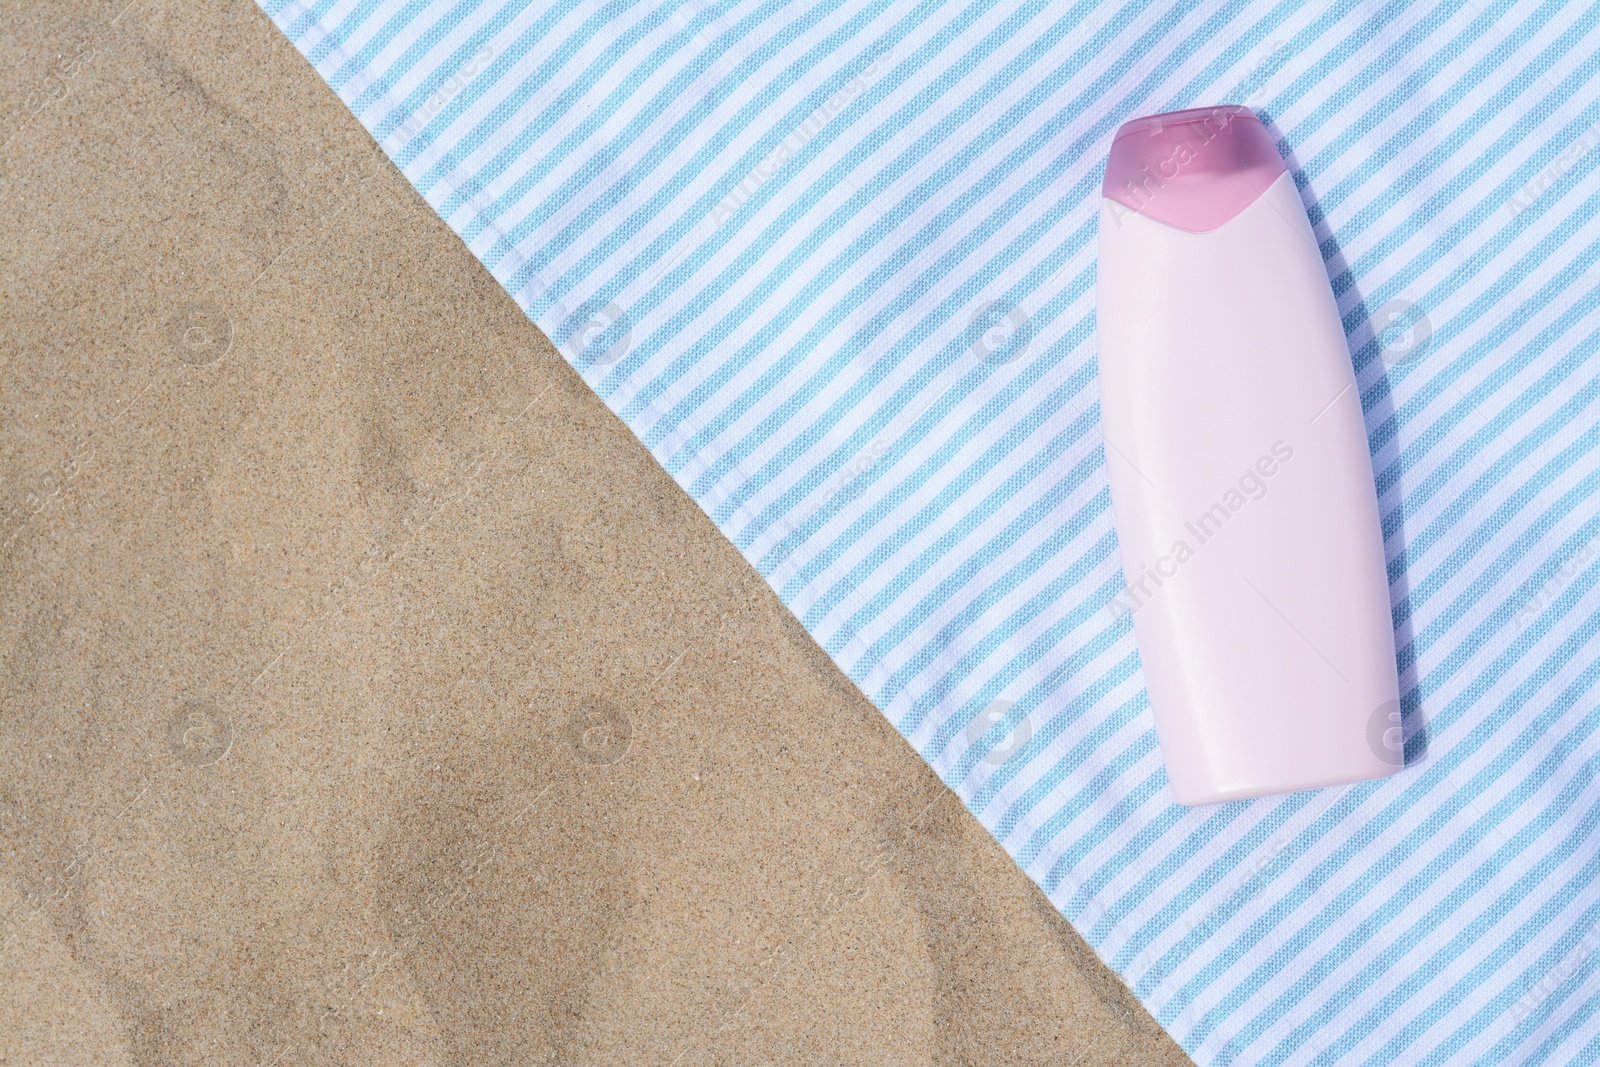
x,y
1192,169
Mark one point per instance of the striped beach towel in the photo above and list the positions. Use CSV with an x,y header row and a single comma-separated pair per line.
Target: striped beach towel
x,y
834,264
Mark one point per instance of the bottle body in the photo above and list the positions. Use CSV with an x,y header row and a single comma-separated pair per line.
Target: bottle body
x,y
1241,482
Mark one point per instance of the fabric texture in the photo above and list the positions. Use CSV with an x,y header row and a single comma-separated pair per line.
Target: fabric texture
x,y
834,265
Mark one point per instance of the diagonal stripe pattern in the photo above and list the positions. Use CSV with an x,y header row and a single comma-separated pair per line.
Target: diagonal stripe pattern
x,y
834,265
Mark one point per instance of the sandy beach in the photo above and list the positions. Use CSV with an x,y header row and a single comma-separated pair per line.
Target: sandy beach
x,y
369,694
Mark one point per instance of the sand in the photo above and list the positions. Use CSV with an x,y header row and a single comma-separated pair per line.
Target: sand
x,y
370,696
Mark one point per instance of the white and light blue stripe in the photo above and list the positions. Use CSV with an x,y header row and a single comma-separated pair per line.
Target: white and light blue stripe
x,y
776,238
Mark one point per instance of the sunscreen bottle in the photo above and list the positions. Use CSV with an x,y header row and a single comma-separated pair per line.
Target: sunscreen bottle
x,y
1241,480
